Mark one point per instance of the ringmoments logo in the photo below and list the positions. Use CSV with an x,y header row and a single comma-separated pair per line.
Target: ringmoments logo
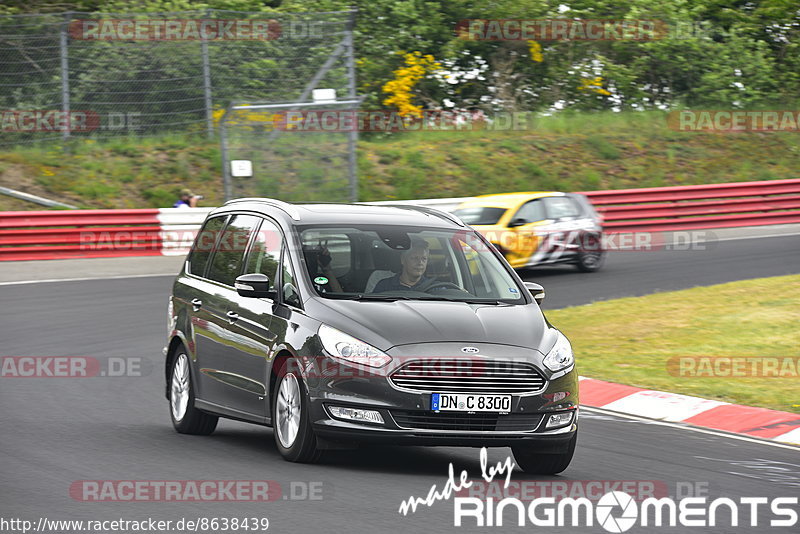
x,y
615,511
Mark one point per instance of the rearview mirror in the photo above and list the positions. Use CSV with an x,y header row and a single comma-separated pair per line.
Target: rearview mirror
x,y
536,290
517,222
254,285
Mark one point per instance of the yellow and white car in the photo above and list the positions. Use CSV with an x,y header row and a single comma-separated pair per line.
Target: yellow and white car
x,y
539,228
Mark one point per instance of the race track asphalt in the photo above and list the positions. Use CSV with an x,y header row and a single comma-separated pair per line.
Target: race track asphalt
x,y
55,431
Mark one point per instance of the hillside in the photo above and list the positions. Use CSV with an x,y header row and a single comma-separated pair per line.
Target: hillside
x,y
575,152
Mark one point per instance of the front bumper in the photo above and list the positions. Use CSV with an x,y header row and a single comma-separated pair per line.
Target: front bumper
x,y
409,420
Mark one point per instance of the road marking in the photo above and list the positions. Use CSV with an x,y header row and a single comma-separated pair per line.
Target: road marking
x,y
114,277
768,236
693,428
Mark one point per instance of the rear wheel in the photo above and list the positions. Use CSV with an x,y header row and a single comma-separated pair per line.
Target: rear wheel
x,y
590,259
185,417
291,422
537,463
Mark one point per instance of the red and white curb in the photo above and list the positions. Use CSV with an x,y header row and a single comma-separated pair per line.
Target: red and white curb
x,y
672,407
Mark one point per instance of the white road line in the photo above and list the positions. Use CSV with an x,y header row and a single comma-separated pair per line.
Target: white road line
x,y
115,277
740,437
751,237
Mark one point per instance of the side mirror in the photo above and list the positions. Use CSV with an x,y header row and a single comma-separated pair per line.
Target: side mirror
x,y
254,285
536,290
290,295
517,222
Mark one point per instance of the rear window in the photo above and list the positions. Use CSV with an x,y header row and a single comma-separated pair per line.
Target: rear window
x,y
226,264
561,207
204,245
480,216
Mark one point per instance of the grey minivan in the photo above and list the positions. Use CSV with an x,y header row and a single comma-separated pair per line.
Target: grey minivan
x,y
345,324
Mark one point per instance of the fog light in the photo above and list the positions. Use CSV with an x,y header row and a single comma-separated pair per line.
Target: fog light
x,y
355,414
557,420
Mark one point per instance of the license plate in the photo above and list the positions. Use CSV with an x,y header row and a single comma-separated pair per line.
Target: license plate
x,y
462,402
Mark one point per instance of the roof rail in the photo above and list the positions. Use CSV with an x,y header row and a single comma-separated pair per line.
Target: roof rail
x,y
428,210
289,209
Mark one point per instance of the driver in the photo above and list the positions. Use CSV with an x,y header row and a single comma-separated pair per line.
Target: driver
x,y
412,277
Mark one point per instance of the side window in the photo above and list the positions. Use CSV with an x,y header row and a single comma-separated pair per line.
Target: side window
x,y
265,253
477,273
204,244
226,264
561,207
531,212
288,276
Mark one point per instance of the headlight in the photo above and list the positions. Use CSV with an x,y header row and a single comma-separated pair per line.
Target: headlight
x,y
560,356
340,345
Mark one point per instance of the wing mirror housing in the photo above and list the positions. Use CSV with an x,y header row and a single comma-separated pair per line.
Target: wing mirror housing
x,y
536,291
254,285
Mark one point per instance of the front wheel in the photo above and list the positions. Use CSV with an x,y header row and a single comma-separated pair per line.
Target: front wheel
x,y
290,418
185,417
536,463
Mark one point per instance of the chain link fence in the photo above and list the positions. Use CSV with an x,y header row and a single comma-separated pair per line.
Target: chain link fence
x,y
99,75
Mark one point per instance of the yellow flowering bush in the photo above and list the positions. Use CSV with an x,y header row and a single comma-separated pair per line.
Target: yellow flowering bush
x,y
535,50
593,84
400,88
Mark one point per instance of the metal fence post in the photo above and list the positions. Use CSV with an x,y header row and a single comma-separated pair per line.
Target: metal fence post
x,y
207,84
63,43
352,138
226,167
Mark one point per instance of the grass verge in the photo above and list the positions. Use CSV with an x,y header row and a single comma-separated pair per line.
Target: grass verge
x,y
631,340
583,151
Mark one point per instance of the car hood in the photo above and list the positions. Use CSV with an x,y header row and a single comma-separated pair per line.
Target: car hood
x,y
388,324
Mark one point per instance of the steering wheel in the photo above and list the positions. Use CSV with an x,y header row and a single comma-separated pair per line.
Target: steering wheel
x,y
448,285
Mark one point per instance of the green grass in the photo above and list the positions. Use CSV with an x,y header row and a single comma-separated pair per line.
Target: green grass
x,y
631,340
569,151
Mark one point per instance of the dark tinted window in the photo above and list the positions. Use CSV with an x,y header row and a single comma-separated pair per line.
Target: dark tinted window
x,y
480,215
204,244
226,263
559,207
266,252
531,212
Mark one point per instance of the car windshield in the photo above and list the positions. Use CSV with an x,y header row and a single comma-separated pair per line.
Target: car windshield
x,y
479,215
405,263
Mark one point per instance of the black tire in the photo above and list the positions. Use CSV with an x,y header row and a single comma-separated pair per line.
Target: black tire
x,y
303,448
536,463
192,421
591,258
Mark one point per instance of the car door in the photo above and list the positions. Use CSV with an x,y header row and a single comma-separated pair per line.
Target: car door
x,y
563,232
196,294
524,239
216,337
250,323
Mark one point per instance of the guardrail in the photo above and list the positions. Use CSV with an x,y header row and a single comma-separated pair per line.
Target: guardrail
x,y
38,235
696,207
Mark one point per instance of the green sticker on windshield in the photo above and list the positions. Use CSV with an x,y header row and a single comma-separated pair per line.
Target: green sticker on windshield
x,y
321,280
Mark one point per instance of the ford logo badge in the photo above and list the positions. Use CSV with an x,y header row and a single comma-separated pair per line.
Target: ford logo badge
x,y
470,350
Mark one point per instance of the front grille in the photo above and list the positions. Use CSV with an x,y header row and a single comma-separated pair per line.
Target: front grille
x,y
486,422
468,375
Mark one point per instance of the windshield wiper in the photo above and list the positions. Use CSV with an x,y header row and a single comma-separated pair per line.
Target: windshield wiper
x,y
464,300
390,298
367,296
